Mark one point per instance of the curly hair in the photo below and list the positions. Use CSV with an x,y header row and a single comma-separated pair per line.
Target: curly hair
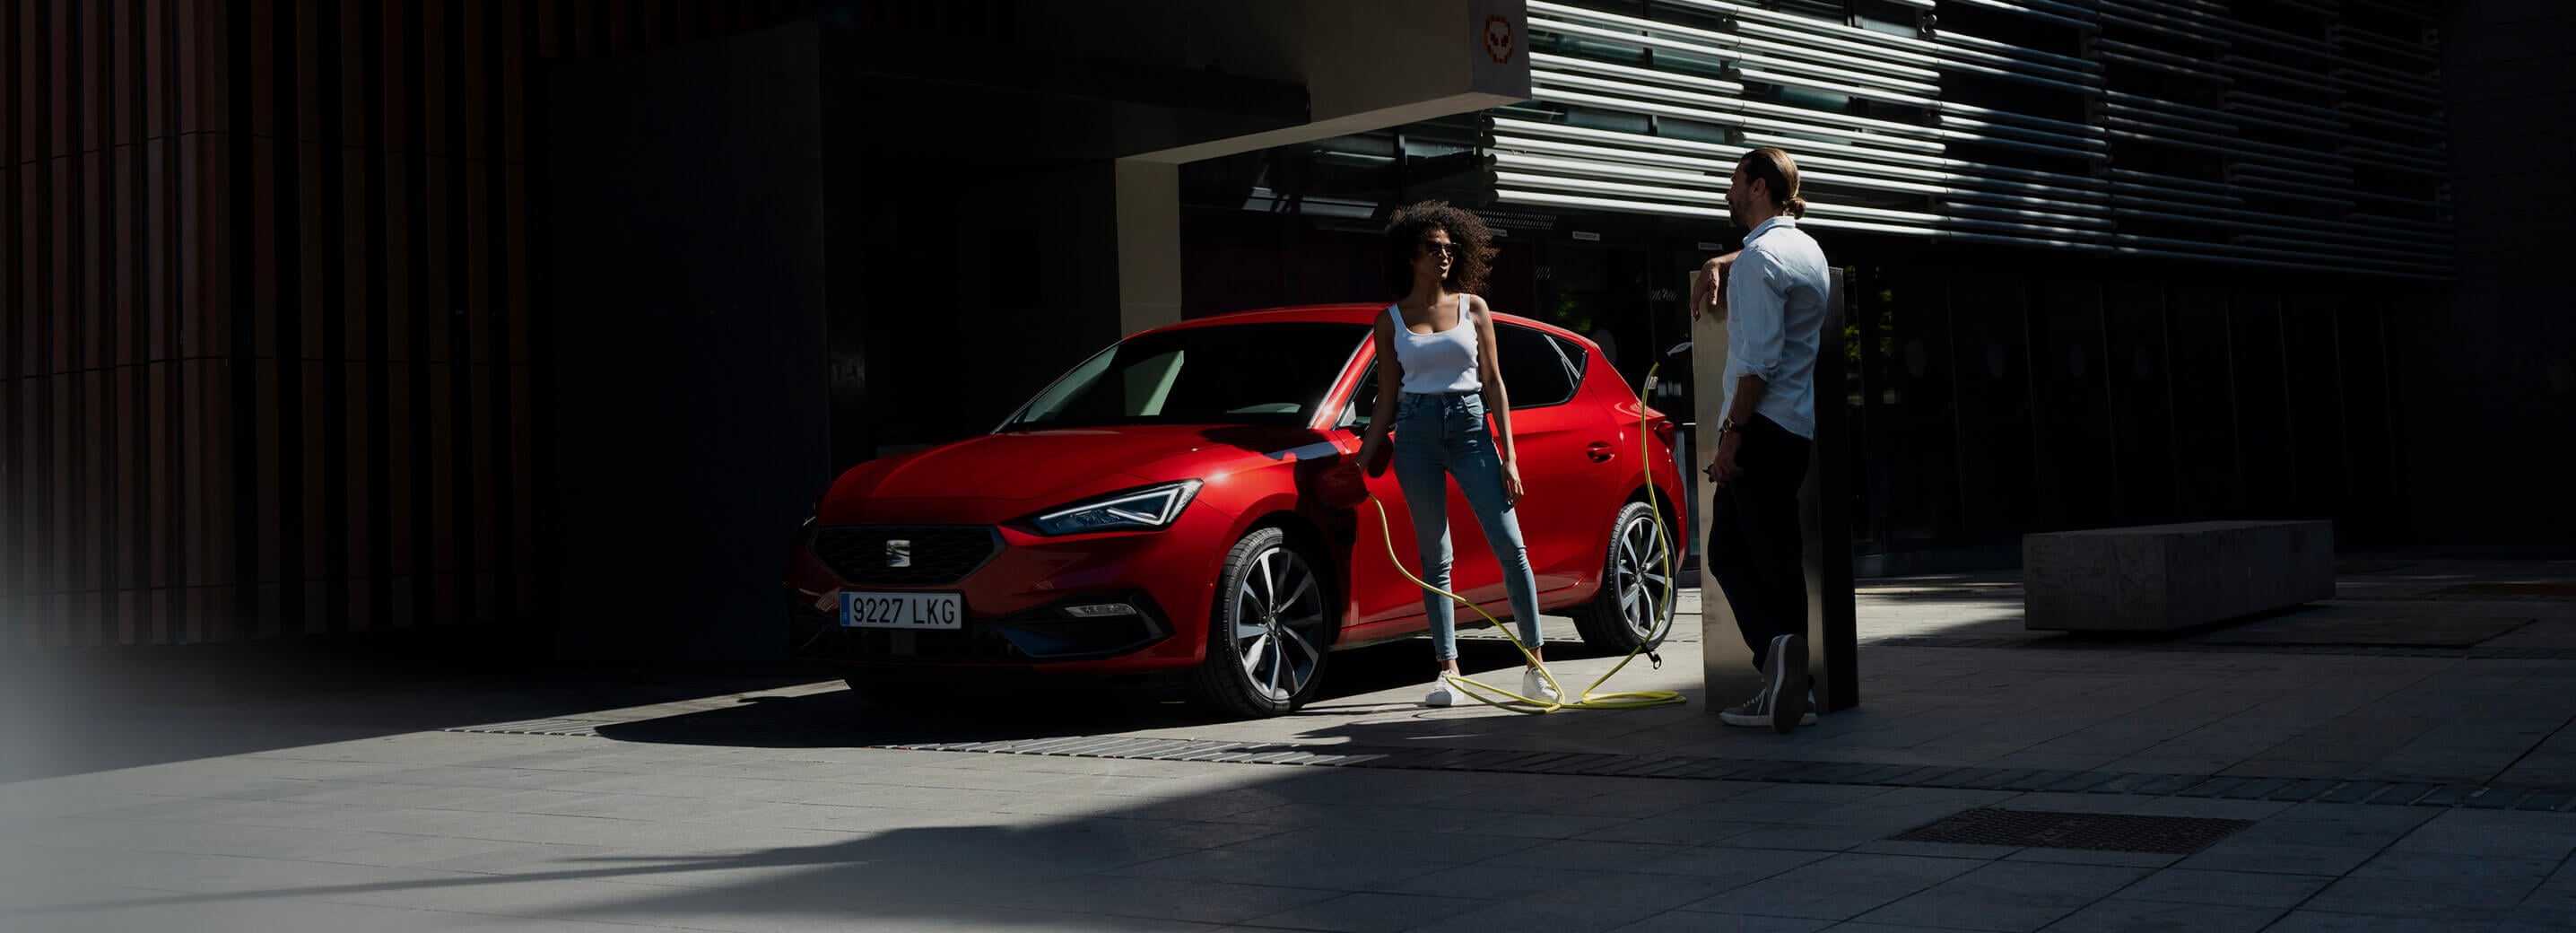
x,y
1413,223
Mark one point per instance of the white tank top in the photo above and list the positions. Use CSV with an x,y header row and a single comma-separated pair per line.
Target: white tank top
x,y
1438,362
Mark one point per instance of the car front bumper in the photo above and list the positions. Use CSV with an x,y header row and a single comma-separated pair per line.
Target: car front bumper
x,y
1016,604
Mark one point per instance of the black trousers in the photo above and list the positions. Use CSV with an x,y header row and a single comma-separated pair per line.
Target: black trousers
x,y
1755,548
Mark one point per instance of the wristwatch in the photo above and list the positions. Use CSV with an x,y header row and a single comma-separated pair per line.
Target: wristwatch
x,y
1727,425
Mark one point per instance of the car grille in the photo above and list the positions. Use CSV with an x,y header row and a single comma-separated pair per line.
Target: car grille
x,y
941,554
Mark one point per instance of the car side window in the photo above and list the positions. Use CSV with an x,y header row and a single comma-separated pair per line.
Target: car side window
x,y
1541,369
1537,370
1577,360
1363,405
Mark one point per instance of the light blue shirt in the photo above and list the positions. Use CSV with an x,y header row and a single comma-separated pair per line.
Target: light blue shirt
x,y
1775,320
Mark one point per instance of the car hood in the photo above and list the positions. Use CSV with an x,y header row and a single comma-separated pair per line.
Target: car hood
x,y
985,478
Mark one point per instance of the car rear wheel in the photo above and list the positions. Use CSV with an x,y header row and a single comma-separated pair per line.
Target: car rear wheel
x,y
1270,632
1637,590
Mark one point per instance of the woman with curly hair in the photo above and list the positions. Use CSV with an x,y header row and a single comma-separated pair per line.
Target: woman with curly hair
x,y
1437,343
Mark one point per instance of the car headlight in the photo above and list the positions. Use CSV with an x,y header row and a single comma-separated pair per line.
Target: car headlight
x,y
1144,509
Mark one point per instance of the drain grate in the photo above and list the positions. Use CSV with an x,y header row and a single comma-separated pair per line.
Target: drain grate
x,y
2099,832
571,728
2198,646
2387,632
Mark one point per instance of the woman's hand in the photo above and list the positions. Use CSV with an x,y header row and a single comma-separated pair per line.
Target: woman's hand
x,y
1511,483
1370,457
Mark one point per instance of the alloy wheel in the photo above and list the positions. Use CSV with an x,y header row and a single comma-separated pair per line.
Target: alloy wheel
x,y
1643,576
1278,624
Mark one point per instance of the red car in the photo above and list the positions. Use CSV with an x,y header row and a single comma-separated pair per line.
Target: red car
x,y
1181,503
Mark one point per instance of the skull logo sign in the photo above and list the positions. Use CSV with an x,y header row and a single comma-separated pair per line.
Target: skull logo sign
x,y
1498,39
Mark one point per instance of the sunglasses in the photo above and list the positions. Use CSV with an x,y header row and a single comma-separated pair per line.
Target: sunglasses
x,y
1437,247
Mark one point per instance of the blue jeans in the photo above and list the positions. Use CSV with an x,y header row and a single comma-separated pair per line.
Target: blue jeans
x,y
1436,437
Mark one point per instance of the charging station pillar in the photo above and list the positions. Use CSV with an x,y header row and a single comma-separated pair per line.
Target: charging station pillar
x,y
1824,503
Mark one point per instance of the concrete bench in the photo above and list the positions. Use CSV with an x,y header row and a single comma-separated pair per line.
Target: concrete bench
x,y
2164,577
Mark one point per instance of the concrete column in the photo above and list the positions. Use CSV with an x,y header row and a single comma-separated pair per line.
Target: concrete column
x,y
1727,669
1149,244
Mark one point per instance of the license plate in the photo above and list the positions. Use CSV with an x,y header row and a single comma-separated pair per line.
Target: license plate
x,y
903,610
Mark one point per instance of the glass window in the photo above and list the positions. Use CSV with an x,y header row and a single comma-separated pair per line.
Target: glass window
x,y
2077,477
1995,468
1535,368
2202,406
2259,388
2315,397
1577,360
1539,369
1228,374
2141,404
1907,452
2361,365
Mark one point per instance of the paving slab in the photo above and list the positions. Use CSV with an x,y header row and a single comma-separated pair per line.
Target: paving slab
x,y
2390,787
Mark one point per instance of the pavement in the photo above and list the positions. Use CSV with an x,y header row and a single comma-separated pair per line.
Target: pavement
x,y
2398,758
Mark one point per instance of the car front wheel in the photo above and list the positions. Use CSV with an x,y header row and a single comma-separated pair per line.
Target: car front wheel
x,y
1636,602
1270,632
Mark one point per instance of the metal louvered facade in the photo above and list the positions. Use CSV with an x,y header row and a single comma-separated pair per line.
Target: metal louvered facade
x,y
2277,133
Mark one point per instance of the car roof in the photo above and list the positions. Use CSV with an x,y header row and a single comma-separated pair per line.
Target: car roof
x,y
1348,313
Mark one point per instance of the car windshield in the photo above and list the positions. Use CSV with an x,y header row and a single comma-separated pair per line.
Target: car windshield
x,y
1275,373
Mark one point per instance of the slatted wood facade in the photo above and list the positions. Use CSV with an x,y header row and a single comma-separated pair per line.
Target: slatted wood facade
x,y
269,362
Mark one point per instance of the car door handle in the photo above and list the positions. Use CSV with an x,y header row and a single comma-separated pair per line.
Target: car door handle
x,y
1600,452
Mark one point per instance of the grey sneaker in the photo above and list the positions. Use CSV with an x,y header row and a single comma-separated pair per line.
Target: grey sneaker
x,y
1786,685
1442,694
1748,713
1753,713
1787,699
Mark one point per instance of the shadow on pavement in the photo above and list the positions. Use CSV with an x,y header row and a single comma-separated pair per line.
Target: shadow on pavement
x,y
914,840
865,840
69,711
837,718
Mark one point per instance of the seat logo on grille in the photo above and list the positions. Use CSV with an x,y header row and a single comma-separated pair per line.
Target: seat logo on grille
x,y
898,552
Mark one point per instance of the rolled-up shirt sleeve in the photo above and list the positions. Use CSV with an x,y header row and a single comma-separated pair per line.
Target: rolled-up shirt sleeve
x,y
1756,308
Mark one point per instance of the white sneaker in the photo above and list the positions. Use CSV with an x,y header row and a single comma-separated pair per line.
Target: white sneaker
x,y
1442,693
1534,685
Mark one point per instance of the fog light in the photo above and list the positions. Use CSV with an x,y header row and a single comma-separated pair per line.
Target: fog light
x,y
1100,610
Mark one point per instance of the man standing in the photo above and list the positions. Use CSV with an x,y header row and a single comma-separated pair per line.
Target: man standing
x,y
1774,293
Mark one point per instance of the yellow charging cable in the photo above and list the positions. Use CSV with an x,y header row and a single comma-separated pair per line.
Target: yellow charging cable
x,y
1631,699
